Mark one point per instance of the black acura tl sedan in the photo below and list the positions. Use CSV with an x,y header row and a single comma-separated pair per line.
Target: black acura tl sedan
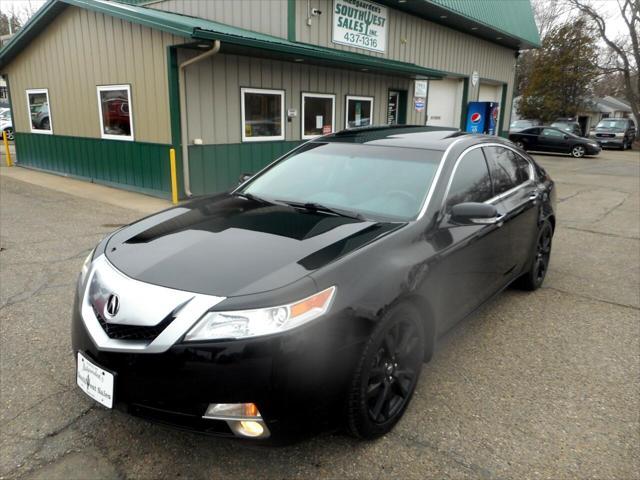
x,y
309,297
551,139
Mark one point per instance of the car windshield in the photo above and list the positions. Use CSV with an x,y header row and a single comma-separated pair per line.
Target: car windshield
x,y
612,124
382,183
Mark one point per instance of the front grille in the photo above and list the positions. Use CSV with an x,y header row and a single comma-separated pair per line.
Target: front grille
x,y
132,332
605,135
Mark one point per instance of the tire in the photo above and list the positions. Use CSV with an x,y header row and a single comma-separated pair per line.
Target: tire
x,y
387,373
539,265
10,134
578,151
520,145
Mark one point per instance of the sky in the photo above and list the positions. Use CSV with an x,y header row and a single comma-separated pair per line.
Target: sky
x,y
608,7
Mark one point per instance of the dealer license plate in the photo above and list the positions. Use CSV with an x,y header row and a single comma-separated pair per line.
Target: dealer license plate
x,y
95,381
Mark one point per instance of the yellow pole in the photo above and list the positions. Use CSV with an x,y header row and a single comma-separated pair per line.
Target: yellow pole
x,y
6,148
174,176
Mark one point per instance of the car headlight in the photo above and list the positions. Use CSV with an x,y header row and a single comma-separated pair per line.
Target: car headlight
x,y
263,321
85,268
619,134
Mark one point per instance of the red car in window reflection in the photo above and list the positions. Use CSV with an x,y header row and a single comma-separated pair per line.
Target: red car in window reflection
x,y
116,116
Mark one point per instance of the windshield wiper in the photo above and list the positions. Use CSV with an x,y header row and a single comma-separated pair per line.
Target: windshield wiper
x,y
318,207
251,196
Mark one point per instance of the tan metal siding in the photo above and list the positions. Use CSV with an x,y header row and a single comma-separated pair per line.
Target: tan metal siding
x,y
264,16
412,39
81,49
213,93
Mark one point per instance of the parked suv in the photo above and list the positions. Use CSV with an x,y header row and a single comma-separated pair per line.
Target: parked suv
x,y
615,132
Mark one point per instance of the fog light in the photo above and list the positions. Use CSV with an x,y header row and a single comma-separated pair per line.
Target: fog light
x,y
244,419
249,428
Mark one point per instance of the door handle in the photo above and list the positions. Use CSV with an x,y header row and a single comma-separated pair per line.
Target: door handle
x,y
534,196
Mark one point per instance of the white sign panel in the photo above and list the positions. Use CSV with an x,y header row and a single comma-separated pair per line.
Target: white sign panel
x,y
361,24
420,89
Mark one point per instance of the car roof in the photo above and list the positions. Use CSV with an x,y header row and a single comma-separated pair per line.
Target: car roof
x,y
413,136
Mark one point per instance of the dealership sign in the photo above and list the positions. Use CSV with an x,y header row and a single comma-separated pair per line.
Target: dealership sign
x,y
361,24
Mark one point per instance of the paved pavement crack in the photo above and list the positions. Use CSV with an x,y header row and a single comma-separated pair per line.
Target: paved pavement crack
x,y
594,299
41,444
619,204
596,232
477,470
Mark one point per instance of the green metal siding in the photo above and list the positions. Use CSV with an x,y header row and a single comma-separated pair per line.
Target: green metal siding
x,y
137,166
513,17
217,168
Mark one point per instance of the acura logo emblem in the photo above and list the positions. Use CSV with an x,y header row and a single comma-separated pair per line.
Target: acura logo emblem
x,y
113,305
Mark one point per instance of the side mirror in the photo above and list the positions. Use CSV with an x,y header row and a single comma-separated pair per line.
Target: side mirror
x,y
244,177
475,213
566,137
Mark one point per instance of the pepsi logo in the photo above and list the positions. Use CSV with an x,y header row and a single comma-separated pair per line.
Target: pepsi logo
x,y
476,117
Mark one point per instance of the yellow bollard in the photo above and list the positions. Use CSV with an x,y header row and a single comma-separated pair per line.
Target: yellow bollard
x,y
6,148
174,176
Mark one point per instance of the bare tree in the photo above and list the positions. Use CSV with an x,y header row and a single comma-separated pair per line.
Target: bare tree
x,y
623,47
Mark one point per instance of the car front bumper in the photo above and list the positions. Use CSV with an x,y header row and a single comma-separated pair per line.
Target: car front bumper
x,y
298,379
609,142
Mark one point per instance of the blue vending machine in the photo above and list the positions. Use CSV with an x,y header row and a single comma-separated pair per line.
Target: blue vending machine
x,y
482,117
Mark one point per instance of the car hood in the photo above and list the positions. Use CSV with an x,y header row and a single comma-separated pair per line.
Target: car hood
x,y
229,246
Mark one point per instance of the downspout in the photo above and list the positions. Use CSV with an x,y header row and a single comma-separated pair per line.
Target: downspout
x,y
183,112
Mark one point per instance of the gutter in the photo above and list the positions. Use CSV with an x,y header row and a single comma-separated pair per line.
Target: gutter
x,y
183,112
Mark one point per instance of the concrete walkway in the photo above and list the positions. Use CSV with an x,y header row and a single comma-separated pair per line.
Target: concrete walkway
x,y
81,188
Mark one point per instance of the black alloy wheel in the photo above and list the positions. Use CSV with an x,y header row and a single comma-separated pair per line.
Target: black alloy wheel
x,y
519,144
533,279
387,373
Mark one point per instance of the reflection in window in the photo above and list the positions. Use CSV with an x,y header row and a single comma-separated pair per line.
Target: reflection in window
x,y
508,169
318,112
262,115
115,112
471,181
38,103
550,132
359,112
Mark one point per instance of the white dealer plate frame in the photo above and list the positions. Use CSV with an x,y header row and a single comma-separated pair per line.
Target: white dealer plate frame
x,y
95,381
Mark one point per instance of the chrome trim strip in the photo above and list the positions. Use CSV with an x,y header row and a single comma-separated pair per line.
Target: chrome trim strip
x,y
436,177
503,194
143,304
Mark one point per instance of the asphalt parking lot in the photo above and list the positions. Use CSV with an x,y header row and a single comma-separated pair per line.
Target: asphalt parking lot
x,y
537,385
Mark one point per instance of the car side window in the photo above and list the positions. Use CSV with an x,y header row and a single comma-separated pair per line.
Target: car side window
x,y
532,131
471,181
549,132
508,169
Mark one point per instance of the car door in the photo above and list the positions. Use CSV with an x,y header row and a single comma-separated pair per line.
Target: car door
x,y
471,256
514,185
529,138
551,140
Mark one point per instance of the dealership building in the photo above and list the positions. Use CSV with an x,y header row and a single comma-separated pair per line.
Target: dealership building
x,y
103,90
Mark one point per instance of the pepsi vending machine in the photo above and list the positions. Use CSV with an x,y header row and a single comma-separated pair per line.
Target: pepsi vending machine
x,y
482,117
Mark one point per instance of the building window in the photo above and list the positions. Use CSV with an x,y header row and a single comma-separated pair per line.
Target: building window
x,y
38,105
318,114
262,114
116,117
359,112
